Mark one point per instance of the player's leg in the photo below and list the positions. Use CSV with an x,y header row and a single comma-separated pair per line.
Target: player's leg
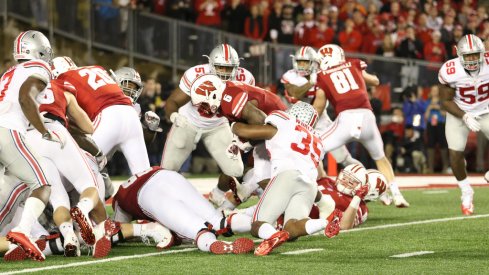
x,y
338,133
180,142
20,160
131,141
372,140
108,128
457,139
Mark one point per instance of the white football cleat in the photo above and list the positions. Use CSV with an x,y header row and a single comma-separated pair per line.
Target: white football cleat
x,y
400,201
385,199
467,201
71,246
158,233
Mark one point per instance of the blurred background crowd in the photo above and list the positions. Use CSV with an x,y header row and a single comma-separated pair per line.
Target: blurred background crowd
x,y
407,103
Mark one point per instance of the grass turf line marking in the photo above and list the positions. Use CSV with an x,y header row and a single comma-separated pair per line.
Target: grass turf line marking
x,y
114,259
431,192
302,251
411,254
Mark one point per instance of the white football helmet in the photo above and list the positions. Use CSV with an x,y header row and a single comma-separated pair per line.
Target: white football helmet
x,y
206,94
305,54
377,185
351,178
224,62
304,112
125,75
470,44
330,55
32,45
62,64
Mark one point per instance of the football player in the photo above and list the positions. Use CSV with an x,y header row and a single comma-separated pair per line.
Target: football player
x,y
465,96
300,84
115,120
193,122
19,86
344,83
168,198
295,152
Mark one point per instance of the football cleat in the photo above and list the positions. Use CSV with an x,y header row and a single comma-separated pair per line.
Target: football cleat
x,y
24,244
158,233
239,246
71,246
234,185
385,199
400,201
103,244
85,225
271,243
333,227
467,202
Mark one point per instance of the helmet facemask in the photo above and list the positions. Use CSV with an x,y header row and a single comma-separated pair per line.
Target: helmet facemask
x,y
470,50
131,89
224,62
224,72
304,61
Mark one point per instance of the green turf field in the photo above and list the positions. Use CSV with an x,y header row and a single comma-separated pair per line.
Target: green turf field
x,y
456,246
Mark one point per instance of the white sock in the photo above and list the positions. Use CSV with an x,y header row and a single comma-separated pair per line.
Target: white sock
x,y
355,202
66,228
464,185
86,205
394,189
136,229
266,230
33,208
204,240
240,223
326,206
315,225
250,210
227,205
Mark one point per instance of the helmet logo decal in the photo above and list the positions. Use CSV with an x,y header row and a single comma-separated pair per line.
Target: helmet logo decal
x,y
469,40
326,51
21,35
205,88
226,51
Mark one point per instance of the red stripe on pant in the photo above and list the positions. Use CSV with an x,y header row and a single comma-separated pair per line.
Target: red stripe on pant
x,y
11,200
19,143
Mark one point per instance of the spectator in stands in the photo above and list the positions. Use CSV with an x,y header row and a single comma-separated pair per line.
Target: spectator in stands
x,y
373,39
393,134
423,33
435,52
324,34
435,130
434,21
208,13
350,39
414,109
282,31
411,157
107,24
181,9
446,29
255,25
234,15
457,34
349,8
410,47
334,21
305,30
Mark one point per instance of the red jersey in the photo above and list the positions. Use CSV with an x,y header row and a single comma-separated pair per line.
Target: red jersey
x,y
52,100
236,94
127,195
93,88
344,86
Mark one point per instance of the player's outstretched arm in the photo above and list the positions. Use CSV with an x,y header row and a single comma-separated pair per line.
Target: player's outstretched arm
x,y
298,92
370,79
78,115
320,101
252,115
446,96
176,100
27,94
253,132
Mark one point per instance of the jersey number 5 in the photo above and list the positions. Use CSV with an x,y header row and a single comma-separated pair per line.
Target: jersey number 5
x,y
96,77
308,142
343,81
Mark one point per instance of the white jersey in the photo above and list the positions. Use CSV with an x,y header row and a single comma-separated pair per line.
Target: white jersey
x,y
11,115
295,146
471,92
191,112
292,77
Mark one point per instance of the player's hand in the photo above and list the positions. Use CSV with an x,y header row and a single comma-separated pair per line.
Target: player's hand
x,y
152,121
313,78
177,119
362,191
101,160
471,122
55,137
244,146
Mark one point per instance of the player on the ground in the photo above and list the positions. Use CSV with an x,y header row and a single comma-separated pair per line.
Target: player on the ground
x,y
192,122
168,198
465,96
19,86
300,84
344,82
115,120
295,152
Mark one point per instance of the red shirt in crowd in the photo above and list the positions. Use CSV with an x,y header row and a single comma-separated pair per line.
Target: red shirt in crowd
x,y
350,42
208,12
435,52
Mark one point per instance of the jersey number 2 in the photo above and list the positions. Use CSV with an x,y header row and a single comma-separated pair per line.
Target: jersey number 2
x,y
343,81
308,142
96,77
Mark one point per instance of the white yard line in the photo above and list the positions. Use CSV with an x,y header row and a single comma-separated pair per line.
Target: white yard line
x,y
120,258
302,251
431,192
411,254
114,259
